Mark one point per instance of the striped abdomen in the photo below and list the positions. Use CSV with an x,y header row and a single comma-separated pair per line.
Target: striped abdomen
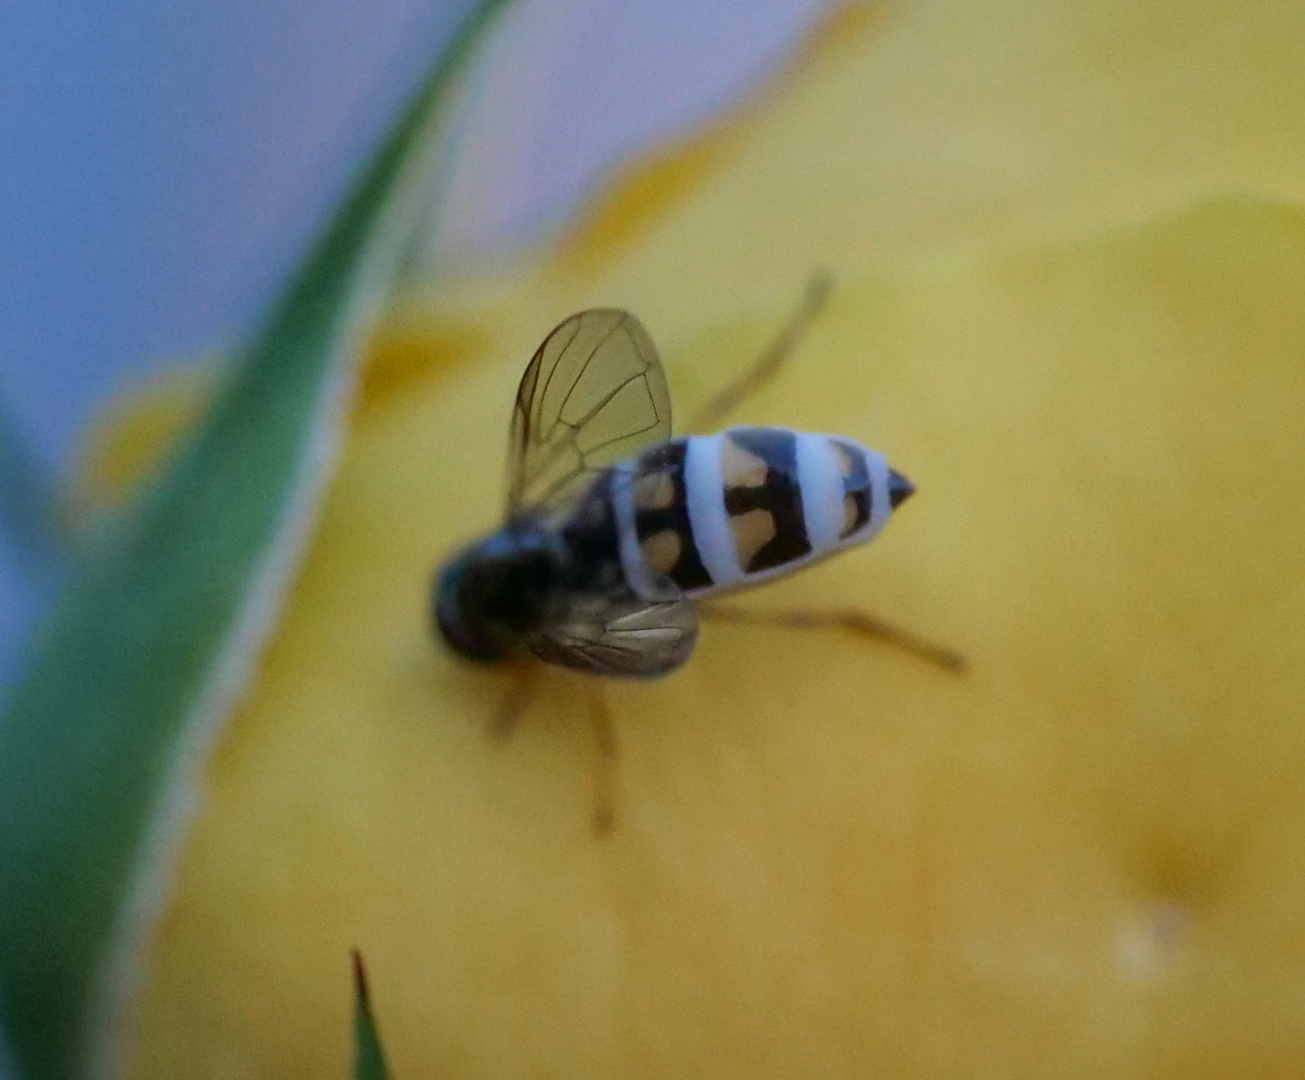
x,y
736,508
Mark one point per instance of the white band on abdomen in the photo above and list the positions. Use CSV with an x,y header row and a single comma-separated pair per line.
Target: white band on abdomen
x,y
705,493
821,484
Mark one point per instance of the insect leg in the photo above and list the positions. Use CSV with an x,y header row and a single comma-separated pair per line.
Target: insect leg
x,y
513,706
855,621
785,343
605,763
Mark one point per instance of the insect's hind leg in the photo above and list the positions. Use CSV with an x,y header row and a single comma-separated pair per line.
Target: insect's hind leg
x,y
785,343
525,679
852,620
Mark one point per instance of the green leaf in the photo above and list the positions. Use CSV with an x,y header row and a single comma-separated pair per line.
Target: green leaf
x,y
148,647
368,1057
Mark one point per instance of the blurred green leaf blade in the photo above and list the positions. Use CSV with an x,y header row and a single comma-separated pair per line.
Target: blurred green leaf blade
x,y
147,648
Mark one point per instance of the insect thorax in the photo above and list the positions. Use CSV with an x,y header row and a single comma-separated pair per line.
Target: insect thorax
x,y
494,594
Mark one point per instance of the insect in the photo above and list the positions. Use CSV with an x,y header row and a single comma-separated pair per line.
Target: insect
x,y
615,530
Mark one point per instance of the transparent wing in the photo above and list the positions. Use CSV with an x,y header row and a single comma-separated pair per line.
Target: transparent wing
x,y
620,635
593,394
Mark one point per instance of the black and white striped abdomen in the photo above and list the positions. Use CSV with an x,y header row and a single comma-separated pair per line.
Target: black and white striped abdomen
x,y
722,511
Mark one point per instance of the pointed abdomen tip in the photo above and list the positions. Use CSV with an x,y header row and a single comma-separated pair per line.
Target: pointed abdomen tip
x,y
899,488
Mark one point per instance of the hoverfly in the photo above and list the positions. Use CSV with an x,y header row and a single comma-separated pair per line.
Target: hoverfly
x,y
615,528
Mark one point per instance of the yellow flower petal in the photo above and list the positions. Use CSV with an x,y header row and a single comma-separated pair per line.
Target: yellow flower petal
x,y
935,127
1083,858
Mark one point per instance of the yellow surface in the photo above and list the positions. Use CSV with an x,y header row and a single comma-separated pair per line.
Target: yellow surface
x,y
1078,324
